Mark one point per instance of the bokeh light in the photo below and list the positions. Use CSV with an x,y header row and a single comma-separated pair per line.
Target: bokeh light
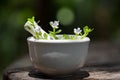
x,y
65,16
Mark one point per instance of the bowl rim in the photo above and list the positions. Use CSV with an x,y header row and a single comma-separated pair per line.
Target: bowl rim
x,y
32,39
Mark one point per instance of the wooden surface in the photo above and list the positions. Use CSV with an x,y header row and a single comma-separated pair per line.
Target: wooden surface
x,y
103,63
89,72
30,73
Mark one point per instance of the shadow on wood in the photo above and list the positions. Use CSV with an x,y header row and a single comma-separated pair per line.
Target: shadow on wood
x,y
30,73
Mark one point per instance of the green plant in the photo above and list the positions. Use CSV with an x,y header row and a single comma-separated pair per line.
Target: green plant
x,y
38,33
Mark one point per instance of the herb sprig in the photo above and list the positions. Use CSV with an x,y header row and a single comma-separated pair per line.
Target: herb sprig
x,y
38,33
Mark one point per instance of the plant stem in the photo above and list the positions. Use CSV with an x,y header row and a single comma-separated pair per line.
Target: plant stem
x,y
54,30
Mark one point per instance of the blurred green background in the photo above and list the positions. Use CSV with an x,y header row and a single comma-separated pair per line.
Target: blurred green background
x,y
102,15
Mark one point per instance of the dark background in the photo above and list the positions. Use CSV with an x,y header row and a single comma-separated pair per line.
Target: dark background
x,y
102,15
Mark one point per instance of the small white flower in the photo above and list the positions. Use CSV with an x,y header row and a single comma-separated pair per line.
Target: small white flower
x,y
77,31
54,24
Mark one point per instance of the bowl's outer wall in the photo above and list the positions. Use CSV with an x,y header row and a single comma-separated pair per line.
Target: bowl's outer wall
x,y
58,58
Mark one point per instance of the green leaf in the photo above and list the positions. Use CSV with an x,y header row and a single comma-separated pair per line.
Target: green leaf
x,y
72,37
40,33
45,35
86,30
31,19
65,36
29,27
58,31
37,35
50,32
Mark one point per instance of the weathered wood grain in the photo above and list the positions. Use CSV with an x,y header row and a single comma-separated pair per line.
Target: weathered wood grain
x,y
96,72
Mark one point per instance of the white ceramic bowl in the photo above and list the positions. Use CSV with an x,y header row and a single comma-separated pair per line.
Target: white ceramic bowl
x,y
55,57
